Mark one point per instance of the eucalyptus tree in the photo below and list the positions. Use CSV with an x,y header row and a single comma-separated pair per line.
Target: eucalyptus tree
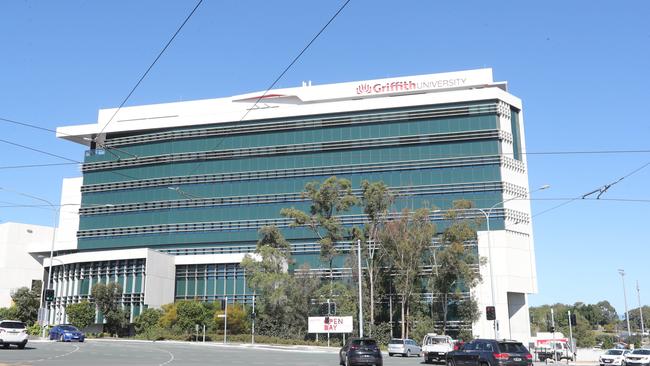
x,y
329,200
404,242
282,300
376,200
455,266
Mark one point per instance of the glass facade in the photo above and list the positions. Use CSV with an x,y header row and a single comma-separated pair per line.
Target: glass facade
x,y
208,189
74,282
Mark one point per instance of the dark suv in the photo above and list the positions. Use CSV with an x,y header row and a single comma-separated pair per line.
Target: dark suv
x,y
360,351
490,352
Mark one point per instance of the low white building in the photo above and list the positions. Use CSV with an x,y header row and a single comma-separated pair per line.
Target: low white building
x,y
19,268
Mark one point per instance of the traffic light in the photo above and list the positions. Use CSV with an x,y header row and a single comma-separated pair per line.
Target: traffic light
x,y
49,295
574,320
490,313
327,308
323,309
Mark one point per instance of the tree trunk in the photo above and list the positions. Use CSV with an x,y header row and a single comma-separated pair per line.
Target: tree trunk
x,y
408,318
445,305
402,319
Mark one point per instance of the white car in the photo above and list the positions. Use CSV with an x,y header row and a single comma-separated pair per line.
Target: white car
x,y
638,357
435,347
613,357
13,332
404,347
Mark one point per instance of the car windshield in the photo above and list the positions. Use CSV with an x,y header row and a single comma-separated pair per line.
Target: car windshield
x,y
615,352
511,347
396,341
364,342
69,328
641,352
12,325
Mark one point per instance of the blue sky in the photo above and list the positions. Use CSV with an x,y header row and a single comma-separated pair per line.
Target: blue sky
x,y
580,67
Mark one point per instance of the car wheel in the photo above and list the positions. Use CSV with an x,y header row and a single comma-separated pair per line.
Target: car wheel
x,y
61,339
22,345
451,363
408,353
5,345
347,361
390,354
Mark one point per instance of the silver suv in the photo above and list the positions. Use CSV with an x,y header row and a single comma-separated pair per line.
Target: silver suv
x,y
405,347
13,332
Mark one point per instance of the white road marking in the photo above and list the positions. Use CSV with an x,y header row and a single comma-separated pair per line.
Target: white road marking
x,y
171,357
49,358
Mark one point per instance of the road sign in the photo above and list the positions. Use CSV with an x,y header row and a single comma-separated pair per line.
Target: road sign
x,y
331,324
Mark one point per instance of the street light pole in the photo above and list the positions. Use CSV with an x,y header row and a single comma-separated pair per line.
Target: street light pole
x,y
360,293
638,297
627,316
491,264
49,272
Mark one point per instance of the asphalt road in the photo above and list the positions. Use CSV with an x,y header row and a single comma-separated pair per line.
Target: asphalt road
x,y
107,352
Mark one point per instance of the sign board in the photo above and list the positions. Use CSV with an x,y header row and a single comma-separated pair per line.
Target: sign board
x,y
335,324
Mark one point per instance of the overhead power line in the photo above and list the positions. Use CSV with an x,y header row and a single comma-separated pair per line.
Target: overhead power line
x,y
34,166
151,65
27,124
39,151
295,59
600,191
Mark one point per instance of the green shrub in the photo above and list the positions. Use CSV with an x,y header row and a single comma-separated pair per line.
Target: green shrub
x,y
34,330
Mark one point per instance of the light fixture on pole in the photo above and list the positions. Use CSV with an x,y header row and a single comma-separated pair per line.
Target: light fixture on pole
x,y
627,316
489,243
49,272
638,297
492,279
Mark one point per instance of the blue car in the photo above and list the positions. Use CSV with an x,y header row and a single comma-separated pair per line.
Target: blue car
x,y
66,333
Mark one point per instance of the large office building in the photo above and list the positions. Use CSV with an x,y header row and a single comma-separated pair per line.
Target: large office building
x,y
172,195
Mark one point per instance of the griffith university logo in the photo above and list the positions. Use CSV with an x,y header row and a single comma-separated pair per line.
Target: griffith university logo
x,y
386,87
398,86
364,89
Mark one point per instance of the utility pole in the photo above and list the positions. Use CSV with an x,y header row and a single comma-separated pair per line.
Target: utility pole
x,y
638,297
570,332
253,323
328,317
225,320
360,294
553,344
627,315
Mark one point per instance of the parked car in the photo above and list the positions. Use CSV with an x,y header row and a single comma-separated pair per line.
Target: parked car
x,y
405,347
13,332
638,357
360,351
490,352
435,347
66,333
613,357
